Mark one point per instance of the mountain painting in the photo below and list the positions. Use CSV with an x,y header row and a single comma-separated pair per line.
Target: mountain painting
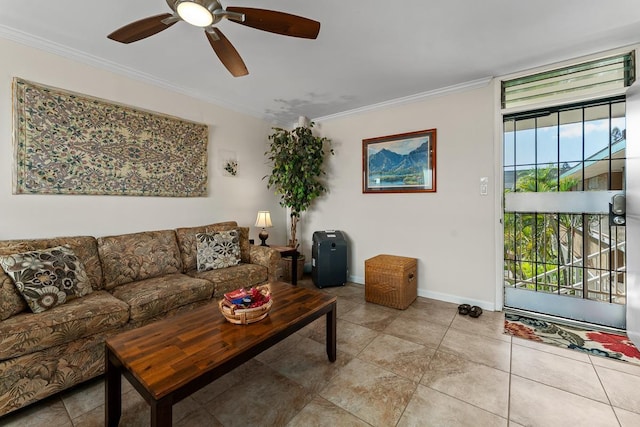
x,y
400,163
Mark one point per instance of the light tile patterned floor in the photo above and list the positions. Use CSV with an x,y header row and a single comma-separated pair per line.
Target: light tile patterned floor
x,y
424,366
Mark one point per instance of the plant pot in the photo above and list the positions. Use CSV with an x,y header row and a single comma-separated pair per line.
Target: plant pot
x,y
285,267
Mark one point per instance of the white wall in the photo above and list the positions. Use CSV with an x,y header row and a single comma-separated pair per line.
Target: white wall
x,y
229,198
633,213
450,232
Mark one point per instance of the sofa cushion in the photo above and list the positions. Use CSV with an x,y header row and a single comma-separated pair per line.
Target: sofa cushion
x,y
48,277
217,250
230,278
151,297
34,376
138,256
85,248
187,241
94,313
11,302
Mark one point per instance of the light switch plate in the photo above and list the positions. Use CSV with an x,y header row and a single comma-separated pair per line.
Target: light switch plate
x,y
484,185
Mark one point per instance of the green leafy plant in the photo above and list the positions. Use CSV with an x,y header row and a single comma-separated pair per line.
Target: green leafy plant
x,y
297,159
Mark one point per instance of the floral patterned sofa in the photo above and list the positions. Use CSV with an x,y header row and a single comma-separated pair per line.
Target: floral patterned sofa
x,y
134,279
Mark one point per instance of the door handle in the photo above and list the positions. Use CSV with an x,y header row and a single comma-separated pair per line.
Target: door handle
x,y
618,204
617,209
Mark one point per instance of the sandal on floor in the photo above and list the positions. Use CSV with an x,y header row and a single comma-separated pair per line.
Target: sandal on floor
x,y
475,311
464,309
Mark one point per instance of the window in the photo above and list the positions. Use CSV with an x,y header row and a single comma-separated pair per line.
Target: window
x,y
588,78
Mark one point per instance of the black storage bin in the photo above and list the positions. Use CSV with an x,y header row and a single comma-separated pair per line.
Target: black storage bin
x,y
329,258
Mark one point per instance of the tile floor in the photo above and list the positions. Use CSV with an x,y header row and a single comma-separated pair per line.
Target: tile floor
x,y
424,366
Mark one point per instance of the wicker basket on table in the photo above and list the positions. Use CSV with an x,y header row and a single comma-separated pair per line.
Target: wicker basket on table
x,y
243,316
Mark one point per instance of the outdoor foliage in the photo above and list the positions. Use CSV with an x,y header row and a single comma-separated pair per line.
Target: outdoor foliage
x,y
531,238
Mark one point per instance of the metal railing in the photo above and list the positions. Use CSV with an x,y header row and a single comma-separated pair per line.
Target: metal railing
x,y
578,286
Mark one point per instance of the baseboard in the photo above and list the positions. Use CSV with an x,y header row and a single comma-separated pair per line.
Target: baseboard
x,y
485,305
357,280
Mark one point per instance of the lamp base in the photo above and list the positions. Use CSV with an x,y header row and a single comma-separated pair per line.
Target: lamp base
x,y
263,235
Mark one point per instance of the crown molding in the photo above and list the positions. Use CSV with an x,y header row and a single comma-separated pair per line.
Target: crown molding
x,y
40,43
474,84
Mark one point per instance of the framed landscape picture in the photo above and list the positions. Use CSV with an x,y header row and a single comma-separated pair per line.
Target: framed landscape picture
x,y
403,163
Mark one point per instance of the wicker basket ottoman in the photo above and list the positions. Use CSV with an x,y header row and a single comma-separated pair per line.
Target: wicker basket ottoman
x,y
391,280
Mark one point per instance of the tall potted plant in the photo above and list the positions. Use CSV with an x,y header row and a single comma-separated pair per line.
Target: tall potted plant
x,y
297,159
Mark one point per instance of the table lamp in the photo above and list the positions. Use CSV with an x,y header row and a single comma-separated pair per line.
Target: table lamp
x,y
264,221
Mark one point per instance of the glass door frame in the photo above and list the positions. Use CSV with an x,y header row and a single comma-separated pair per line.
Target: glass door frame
x,y
612,315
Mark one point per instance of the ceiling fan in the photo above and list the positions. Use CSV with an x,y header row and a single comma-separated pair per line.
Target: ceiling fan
x,y
206,14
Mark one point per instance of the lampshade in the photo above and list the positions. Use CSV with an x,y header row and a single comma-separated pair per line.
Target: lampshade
x,y
264,219
194,13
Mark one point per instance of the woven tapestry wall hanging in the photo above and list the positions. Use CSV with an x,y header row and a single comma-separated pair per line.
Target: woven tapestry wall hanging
x,y
67,143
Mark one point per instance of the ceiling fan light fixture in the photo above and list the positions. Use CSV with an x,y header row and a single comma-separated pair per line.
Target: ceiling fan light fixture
x,y
206,14
194,13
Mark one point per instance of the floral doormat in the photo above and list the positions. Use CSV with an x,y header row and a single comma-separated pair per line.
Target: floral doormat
x,y
605,344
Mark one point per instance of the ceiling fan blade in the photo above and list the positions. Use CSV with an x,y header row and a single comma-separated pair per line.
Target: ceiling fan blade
x,y
278,22
141,29
228,54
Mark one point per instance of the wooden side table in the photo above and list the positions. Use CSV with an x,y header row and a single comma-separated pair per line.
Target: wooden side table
x,y
286,251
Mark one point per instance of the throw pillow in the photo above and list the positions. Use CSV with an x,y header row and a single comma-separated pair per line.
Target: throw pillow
x,y
218,250
48,277
243,234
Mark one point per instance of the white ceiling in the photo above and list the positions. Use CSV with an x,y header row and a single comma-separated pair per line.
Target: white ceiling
x,y
368,51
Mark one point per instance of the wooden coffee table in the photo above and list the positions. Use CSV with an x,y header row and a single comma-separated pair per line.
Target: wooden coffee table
x,y
168,360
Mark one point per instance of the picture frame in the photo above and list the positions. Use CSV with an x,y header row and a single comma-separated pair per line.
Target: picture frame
x,y
401,163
